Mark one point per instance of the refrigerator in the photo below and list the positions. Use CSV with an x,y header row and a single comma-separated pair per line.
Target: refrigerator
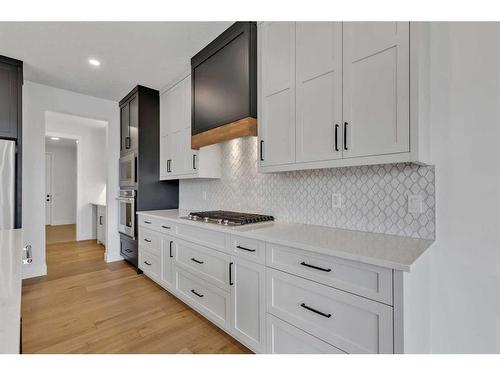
x,y
7,183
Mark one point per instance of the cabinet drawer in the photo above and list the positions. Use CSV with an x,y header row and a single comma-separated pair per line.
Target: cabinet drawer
x,y
209,300
249,248
358,278
283,338
160,225
150,264
205,237
208,264
150,240
128,249
351,323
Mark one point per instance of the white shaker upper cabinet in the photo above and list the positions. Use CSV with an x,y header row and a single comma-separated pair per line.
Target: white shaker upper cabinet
x,y
376,88
177,159
277,93
319,91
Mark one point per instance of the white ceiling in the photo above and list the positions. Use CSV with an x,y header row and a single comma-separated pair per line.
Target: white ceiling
x,y
147,53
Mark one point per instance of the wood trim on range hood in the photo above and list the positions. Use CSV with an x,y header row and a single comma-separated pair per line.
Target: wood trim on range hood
x,y
242,128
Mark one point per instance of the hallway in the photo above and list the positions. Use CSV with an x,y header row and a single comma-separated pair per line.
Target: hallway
x,y
85,305
60,233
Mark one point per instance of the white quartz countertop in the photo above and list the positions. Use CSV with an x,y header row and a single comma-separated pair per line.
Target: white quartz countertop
x,y
98,203
10,289
383,250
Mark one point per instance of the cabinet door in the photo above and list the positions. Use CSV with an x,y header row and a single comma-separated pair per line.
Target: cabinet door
x,y
248,310
167,259
8,100
376,88
134,122
166,154
277,93
319,91
124,127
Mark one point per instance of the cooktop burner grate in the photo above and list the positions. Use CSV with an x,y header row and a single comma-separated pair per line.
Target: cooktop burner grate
x,y
229,217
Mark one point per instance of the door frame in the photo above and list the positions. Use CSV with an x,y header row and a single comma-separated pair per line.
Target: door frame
x,y
51,210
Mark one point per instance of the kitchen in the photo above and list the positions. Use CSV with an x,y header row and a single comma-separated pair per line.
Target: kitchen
x,y
290,188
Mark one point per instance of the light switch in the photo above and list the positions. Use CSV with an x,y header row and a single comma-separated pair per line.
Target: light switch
x,y
414,204
336,200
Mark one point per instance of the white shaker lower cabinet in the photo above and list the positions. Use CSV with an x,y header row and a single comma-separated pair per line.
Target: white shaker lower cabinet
x,y
167,261
248,303
279,299
283,338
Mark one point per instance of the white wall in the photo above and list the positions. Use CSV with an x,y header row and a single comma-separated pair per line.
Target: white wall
x,y
91,135
37,100
63,182
465,119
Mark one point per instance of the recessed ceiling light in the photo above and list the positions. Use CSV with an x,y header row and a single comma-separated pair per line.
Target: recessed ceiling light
x,y
55,138
94,62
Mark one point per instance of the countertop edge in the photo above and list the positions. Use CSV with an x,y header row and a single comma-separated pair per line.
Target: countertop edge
x,y
321,250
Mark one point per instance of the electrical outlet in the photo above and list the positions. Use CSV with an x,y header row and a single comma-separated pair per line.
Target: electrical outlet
x,y
204,195
414,204
336,200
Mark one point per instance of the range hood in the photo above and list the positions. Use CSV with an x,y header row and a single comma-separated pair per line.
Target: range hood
x,y
224,87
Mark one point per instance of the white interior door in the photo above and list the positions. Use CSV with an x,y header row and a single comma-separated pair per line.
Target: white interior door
x,y
48,188
319,91
376,88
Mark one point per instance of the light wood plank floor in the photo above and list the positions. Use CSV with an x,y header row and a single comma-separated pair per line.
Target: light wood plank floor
x,y
60,233
85,305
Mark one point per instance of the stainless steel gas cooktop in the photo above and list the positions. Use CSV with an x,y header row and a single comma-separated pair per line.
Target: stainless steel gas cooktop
x,y
228,217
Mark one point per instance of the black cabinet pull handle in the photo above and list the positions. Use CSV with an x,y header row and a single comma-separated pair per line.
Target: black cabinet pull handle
x,y
147,222
197,261
100,220
261,150
147,263
315,311
171,243
336,137
127,142
194,161
164,226
169,166
194,292
345,135
245,248
231,273
128,250
147,240
316,267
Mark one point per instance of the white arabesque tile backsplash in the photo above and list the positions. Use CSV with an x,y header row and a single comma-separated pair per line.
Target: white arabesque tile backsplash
x,y
374,198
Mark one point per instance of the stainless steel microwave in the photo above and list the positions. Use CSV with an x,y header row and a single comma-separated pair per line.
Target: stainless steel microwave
x,y
128,170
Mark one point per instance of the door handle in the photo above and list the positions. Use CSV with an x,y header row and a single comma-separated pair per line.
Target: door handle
x,y
261,150
231,273
315,311
197,261
315,267
345,135
194,161
100,220
245,248
171,243
195,293
336,137
127,142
